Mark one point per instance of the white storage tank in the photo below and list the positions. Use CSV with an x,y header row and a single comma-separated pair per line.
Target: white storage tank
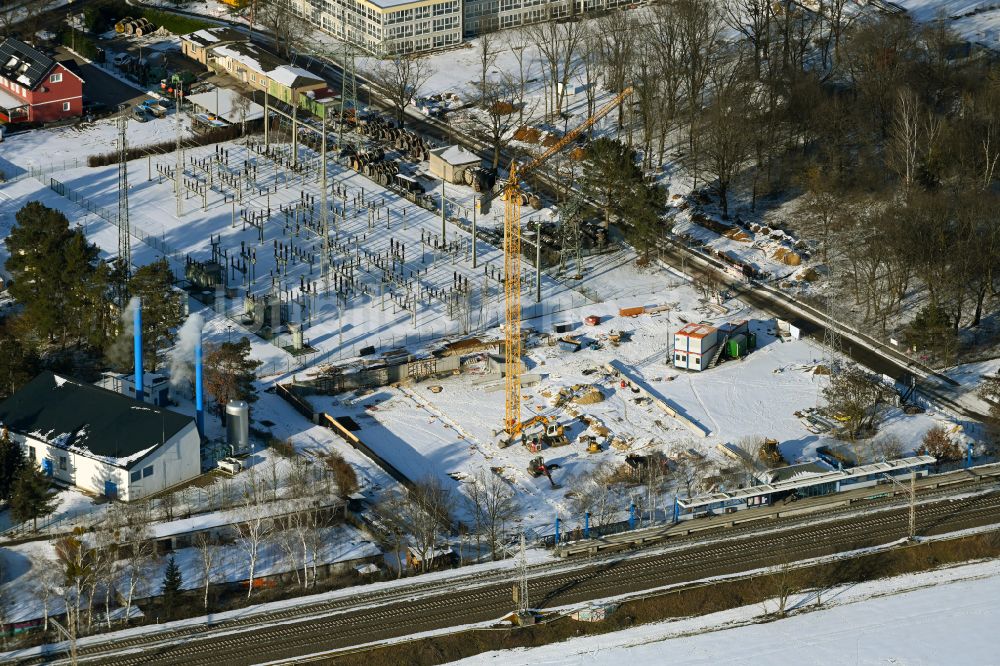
x,y
238,425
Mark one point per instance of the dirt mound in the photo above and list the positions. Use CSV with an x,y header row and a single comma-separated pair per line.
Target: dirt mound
x,y
589,396
527,134
502,108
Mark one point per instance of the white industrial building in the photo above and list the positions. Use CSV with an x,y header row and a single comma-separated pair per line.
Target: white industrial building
x,y
694,345
388,26
101,441
410,26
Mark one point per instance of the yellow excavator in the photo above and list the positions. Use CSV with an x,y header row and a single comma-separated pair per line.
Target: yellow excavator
x,y
550,434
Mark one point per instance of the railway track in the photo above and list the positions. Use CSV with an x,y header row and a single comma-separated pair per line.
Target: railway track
x,y
383,615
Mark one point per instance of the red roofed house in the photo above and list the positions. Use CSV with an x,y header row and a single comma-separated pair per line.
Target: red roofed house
x,y
34,87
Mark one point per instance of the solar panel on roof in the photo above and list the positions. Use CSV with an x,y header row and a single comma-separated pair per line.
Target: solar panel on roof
x,y
23,63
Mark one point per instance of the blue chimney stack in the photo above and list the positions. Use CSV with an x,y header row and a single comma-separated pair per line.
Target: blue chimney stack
x,y
199,408
137,338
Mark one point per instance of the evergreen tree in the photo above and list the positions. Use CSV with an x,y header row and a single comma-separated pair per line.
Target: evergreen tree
x,y
18,362
30,499
172,581
12,461
162,310
230,373
640,211
52,267
615,180
611,171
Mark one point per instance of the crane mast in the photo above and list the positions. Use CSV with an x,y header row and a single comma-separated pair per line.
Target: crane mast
x,y
512,264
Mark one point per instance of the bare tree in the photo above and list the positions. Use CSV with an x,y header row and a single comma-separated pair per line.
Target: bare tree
x,y
698,35
752,19
600,494
517,42
614,37
749,457
494,119
275,476
487,50
281,19
725,142
206,546
401,78
430,517
778,586
47,579
855,397
393,509
664,41
74,558
135,546
590,62
688,470
253,530
647,87
558,45
494,506
905,137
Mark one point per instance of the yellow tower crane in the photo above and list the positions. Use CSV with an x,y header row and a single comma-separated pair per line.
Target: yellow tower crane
x,y
512,196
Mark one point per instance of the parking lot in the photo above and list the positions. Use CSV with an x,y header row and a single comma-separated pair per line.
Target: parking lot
x,y
102,87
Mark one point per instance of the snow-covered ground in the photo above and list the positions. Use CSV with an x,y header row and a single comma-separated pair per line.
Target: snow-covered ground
x,y
971,19
30,571
945,616
450,434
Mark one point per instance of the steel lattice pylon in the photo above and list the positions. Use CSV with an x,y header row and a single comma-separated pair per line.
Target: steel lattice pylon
x,y
124,236
512,301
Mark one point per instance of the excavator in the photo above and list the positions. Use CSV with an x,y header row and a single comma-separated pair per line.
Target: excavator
x,y
537,468
549,434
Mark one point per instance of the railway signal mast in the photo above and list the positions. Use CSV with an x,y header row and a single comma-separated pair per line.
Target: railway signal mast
x,y
912,493
514,199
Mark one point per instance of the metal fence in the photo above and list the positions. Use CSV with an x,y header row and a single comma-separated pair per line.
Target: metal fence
x,y
111,217
83,517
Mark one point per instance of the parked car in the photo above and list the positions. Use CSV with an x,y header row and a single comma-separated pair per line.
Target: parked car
x,y
154,107
230,465
96,109
121,59
140,113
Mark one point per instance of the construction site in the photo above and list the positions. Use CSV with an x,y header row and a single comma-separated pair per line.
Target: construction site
x,y
447,323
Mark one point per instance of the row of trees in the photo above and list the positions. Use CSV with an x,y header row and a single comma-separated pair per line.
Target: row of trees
x,y
887,129
98,574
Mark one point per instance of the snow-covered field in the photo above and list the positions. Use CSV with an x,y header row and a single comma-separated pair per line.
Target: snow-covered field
x,y
938,617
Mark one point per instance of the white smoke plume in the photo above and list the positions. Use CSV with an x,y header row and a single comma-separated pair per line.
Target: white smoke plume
x,y
120,353
182,355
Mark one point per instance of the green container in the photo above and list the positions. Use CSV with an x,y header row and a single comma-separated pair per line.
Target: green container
x,y
751,341
737,347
